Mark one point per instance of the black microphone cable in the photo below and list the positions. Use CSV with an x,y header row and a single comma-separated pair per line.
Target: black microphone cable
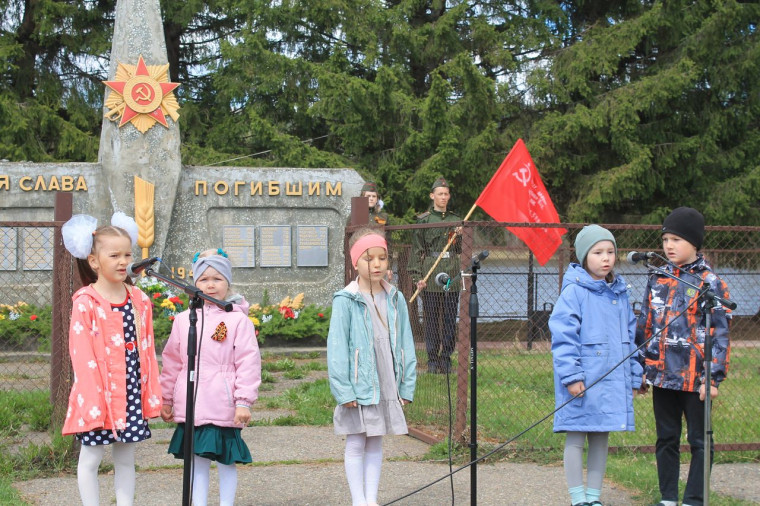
x,y
543,419
451,431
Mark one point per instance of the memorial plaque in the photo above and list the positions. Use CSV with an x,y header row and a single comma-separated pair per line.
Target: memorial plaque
x,y
239,242
311,246
37,249
8,247
274,246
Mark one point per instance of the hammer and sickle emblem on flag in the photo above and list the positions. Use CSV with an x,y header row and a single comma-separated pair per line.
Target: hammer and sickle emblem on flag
x,y
523,174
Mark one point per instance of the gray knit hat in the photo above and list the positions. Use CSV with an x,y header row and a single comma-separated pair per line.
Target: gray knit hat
x,y
588,236
222,265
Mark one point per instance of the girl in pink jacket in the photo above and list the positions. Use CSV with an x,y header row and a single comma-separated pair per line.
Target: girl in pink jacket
x,y
228,374
116,387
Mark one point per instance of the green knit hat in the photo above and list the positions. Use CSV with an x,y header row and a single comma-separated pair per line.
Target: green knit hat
x,y
588,236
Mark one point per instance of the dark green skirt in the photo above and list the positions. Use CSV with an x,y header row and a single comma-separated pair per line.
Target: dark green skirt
x,y
222,444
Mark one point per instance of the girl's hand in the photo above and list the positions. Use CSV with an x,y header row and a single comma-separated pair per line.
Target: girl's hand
x,y
167,413
242,415
352,404
404,402
713,392
576,388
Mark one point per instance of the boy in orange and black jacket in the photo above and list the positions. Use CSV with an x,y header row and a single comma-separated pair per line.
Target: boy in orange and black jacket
x,y
674,358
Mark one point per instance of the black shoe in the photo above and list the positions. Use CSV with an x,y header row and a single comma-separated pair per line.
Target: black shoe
x,y
595,503
580,504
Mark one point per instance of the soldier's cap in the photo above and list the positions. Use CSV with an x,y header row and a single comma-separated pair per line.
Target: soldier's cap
x,y
440,183
369,186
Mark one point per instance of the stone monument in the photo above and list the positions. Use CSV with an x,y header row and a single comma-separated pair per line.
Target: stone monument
x,y
282,227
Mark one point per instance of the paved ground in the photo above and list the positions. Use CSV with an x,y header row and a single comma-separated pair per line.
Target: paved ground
x,y
303,466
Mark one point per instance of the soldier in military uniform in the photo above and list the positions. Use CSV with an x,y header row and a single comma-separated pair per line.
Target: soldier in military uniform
x,y
439,303
376,215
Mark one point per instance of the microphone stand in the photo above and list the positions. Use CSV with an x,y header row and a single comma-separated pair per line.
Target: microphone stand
x,y
196,302
474,310
708,300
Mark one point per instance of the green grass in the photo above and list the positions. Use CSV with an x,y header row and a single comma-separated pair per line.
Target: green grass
x,y
295,374
267,377
312,403
20,410
637,472
516,389
33,461
283,364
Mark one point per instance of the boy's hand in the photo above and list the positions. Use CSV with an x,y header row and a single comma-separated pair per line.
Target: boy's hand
x,y
644,388
576,388
167,413
351,404
242,415
713,392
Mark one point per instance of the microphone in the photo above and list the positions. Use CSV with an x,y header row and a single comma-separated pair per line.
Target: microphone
x,y
476,259
136,268
635,257
442,279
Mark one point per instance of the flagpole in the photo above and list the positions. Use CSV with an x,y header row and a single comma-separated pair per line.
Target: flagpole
x,y
440,255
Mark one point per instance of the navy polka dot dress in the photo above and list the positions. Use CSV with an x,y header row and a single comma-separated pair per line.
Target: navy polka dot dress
x,y
136,426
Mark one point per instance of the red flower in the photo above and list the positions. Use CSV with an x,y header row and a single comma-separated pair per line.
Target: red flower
x,y
287,313
171,318
176,300
320,315
33,317
156,295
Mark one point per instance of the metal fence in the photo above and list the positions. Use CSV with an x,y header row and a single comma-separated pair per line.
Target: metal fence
x,y
514,364
36,276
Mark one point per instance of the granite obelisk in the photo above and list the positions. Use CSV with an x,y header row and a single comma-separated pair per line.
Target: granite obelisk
x,y
140,135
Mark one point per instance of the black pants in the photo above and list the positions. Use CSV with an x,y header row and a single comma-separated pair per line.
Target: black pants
x,y
440,313
670,406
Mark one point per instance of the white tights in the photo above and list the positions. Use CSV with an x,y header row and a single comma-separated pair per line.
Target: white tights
x,y
123,470
363,460
227,482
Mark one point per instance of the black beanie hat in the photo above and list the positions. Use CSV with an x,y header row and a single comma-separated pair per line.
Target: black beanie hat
x,y
687,223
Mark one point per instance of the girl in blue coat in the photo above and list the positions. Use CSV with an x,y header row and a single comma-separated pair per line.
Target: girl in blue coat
x,y
370,362
593,328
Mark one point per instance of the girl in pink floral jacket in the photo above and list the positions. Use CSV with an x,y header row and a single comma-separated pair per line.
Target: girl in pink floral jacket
x,y
116,384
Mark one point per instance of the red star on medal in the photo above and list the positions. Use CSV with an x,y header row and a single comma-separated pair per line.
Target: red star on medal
x,y
142,95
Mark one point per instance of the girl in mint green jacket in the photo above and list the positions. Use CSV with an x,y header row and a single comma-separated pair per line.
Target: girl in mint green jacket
x,y
371,363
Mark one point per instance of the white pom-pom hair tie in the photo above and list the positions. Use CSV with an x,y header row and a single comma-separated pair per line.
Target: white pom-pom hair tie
x,y
79,230
127,223
77,235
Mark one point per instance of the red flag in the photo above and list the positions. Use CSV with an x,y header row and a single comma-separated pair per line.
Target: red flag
x,y
517,194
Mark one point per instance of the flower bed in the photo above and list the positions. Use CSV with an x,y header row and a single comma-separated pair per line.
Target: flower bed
x,y
290,320
166,305
28,327
25,327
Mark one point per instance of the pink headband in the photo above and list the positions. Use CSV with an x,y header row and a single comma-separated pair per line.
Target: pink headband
x,y
365,243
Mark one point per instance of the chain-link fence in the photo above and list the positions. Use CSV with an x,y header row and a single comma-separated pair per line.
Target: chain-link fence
x,y
515,298
36,277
